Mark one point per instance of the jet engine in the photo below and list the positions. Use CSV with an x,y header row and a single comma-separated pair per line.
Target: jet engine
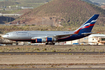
x,y
43,40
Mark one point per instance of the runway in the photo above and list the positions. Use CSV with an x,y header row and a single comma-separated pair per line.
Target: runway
x,y
80,60
58,69
52,60
51,53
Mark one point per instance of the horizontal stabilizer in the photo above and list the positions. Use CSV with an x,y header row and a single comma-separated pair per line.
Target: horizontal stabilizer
x,y
88,33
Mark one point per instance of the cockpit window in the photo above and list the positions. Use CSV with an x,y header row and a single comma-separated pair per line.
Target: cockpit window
x,y
7,34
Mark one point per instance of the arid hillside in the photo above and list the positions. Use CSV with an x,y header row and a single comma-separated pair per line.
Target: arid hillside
x,y
62,13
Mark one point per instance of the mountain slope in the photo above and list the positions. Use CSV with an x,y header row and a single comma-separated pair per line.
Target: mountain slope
x,y
61,12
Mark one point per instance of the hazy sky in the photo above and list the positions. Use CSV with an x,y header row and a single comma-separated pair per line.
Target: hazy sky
x,y
99,1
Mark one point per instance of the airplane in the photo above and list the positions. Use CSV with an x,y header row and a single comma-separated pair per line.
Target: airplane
x,y
51,37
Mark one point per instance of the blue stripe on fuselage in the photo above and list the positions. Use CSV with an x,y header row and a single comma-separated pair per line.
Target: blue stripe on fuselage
x,y
73,37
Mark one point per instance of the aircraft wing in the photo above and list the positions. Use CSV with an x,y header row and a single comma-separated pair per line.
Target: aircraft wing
x,y
55,36
60,35
65,35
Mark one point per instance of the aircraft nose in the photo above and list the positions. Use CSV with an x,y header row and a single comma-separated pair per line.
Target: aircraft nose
x,y
4,36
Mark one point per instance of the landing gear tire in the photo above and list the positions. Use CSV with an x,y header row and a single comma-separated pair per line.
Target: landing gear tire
x,y
50,43
16,43
46,43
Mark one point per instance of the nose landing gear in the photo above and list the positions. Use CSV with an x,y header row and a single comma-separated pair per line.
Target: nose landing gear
x,y
50,43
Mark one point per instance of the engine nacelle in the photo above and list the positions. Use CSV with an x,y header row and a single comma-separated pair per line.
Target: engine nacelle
x,y
48,39
43,40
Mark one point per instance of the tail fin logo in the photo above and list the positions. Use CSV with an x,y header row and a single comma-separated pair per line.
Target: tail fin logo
x,y
87,25
92,23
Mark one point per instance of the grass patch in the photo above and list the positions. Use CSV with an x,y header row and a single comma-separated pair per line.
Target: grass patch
x,y
52,49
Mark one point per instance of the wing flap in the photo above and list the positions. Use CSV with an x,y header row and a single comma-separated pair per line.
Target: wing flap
x,y
60,36
55,36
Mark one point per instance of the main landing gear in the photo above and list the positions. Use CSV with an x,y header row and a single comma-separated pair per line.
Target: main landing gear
x,y
50,43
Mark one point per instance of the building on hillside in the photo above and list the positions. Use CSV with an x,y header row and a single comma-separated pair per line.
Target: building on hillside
x,y
103,6
27,8
94,39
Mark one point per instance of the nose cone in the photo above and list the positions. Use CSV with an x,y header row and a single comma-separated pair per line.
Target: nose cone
x,y
4,36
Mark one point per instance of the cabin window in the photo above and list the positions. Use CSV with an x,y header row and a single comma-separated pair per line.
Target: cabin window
x,y
22,33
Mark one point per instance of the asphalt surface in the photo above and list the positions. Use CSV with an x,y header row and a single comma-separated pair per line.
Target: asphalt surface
x,y
58,69
51,53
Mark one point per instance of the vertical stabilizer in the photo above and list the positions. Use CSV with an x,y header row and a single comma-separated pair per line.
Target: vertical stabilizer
x,y
88,25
